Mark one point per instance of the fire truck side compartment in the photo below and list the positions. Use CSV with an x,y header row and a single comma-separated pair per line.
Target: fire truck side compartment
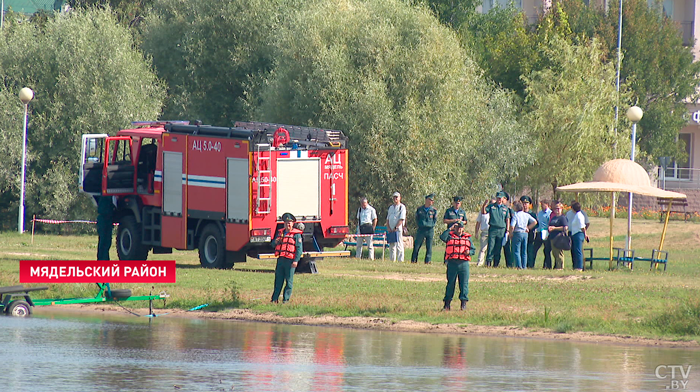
x,y
237,188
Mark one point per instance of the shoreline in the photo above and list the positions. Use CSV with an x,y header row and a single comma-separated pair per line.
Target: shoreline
x,y
383,324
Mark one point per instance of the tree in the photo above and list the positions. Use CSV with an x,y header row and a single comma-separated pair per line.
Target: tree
x,y
213,54
570,113
419,114
128,12
88,78
657,66
452,12
503,45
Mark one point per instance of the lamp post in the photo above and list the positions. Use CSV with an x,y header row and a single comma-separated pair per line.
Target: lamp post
x,y
25,95
634,114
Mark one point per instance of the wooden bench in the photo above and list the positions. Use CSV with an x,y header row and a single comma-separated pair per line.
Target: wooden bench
x,y
679,206
378,239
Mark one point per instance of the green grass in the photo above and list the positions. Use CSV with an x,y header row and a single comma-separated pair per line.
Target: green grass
x,y
637,303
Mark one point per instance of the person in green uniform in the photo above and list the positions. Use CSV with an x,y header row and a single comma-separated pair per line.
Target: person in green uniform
x,y
527,207
455,213
458,252
499,220
288,246
426,218
507,246
105,225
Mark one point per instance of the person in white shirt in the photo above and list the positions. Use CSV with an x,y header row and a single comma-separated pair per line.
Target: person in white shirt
x,y
520,225
579,233
542,231
395,219
481,231
570,216
366,224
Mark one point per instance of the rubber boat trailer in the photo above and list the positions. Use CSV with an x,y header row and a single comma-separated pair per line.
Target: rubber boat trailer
x,y
15,300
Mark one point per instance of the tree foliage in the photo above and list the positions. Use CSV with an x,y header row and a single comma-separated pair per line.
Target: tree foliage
x,y
418,112
87,77
453,13
212,54
656,65
503,45
570,114
128,12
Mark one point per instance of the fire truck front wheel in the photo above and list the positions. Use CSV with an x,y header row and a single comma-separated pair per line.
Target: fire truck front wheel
x,y
129,245
212,250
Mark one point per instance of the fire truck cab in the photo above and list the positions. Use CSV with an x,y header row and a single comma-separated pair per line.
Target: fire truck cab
x,y
219,190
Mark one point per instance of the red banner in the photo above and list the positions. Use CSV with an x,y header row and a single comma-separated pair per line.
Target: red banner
x,y
91,271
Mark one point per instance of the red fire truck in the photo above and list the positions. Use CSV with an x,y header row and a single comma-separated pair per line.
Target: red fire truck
x,y
219,190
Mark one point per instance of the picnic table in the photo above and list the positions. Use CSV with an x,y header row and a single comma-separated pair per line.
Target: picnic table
x,y
677,207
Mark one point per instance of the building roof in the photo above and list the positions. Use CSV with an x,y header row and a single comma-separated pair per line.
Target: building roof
x,y
32,6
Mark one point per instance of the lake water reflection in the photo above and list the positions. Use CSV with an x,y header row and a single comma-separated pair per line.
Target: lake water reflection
x,y
60,351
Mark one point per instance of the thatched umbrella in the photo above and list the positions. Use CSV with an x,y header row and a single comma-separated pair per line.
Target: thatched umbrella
x,y
623,175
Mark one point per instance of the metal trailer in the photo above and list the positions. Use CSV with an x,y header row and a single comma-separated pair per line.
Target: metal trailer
x,y
15,300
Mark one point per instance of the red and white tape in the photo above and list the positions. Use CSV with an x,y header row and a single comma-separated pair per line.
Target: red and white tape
x,y
54,221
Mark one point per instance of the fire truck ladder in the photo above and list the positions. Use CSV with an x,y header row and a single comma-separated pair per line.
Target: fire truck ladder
x,y
264,178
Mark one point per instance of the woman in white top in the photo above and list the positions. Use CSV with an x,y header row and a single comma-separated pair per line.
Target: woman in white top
x,y
481,231
578,235
520,225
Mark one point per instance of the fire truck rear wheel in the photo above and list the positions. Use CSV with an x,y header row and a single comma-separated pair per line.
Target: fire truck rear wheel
x,y
212,252
129,246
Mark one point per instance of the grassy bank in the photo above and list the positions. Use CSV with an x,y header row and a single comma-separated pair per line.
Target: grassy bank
x,y
638,303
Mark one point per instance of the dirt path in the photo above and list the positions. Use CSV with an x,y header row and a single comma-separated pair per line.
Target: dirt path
x,y
375,323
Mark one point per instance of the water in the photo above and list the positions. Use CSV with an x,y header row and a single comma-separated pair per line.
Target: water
x,y
59,351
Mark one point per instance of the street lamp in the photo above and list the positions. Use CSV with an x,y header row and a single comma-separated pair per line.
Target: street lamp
x,y
25,95
634,114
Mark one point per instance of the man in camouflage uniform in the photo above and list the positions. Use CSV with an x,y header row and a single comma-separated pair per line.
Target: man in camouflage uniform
x,y
426,218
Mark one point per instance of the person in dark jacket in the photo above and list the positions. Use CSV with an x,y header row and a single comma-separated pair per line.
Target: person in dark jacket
x,y
426,218
558,225
458,252
527,207
105,225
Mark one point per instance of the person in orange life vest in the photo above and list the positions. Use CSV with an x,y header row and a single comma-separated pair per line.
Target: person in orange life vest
x,y
288,248
458,252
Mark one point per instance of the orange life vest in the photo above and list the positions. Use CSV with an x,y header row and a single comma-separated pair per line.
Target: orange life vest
x,y
458,247
287,248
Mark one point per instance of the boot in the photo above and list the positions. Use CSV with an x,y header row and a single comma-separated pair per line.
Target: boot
x,y
447,306
463,305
